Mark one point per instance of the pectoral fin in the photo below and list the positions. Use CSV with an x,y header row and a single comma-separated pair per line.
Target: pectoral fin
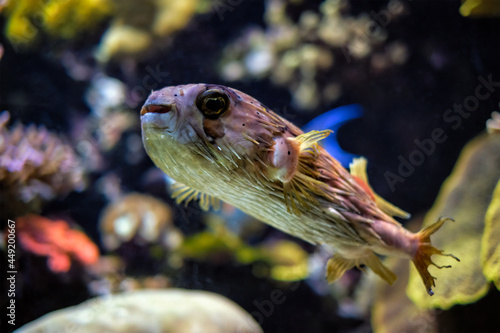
x,y
301,186
311,139
183,193
358,169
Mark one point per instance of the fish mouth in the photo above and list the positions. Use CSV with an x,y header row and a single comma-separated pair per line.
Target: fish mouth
x,y
159,116
156,108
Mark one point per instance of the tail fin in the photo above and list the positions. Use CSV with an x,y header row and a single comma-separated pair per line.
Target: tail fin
x,y
422,259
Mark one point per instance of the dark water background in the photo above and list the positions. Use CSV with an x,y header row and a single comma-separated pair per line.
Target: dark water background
x,y
448,53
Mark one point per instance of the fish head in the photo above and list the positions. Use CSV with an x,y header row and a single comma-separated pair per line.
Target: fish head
x,y
199,122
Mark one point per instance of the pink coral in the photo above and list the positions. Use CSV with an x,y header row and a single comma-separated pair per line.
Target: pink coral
x,y
35,165
56,240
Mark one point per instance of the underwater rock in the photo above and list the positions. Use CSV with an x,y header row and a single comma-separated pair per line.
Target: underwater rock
x,y
141,217
306,56
56,240
35,166
172,310
465,196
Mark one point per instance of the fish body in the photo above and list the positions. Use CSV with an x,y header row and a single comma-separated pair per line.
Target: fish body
x,y
220,144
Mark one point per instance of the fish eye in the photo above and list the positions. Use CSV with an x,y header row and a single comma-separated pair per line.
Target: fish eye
x,y
212,103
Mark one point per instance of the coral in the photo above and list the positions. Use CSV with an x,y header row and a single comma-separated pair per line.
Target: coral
x,y
306,56
35,165
105,95
217,243
490,250
283,260
55,240
479,8
123,40
171,310
131,36
28,19
493,124
108,277
393,311
288,260
133,29
140,217
102,130
110,116
465,195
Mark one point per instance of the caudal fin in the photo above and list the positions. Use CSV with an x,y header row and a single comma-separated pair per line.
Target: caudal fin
x,y
422,259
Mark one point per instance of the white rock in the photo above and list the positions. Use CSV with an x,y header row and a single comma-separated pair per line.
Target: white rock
x,y
171,310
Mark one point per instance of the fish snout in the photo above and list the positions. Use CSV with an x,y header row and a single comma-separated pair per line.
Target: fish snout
x,y
159,114
156,108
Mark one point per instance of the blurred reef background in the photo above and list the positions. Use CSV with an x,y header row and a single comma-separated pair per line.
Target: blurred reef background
x,y
96,230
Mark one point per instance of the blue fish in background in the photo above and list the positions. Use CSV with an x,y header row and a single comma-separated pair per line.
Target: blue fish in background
x,y
333,120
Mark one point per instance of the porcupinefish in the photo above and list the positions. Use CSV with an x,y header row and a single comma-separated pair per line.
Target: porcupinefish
x,y
218,143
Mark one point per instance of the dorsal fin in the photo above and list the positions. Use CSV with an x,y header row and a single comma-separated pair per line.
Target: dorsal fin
x,y
358,170
183,193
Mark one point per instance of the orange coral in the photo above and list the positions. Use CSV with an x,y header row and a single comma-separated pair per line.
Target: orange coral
x,y
56,240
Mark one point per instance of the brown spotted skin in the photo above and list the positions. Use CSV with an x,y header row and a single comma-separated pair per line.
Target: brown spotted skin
x,y
229,158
